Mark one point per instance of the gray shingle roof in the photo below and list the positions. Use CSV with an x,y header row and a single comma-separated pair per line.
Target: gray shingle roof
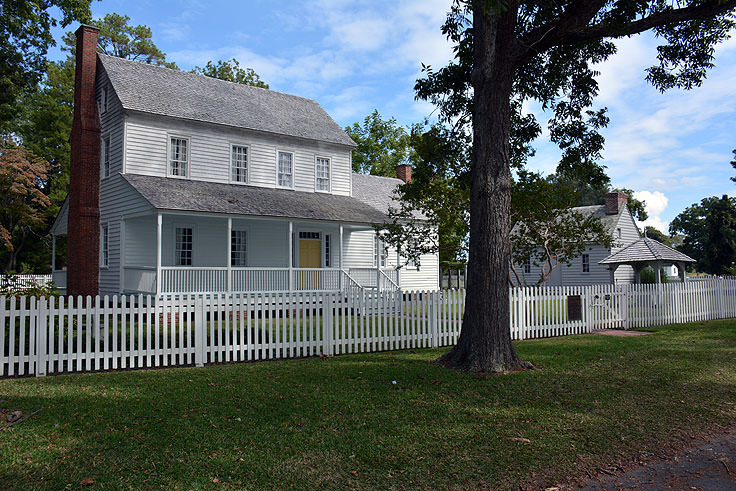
x,y
165,193
380,192
157,90
646,250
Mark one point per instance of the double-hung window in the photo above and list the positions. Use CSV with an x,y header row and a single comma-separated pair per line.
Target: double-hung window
x,y
285,176
103,100
586,263
322,173
238,248
178,157
104,246
379,252
105,156
239,163
183,246
528,266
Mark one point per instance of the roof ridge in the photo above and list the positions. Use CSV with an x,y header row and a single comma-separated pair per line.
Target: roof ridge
x,y
194,74
373,175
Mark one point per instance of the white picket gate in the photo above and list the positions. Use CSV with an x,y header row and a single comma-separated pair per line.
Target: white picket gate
x,y
43,335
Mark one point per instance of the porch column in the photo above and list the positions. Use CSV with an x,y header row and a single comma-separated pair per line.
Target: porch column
x,y
53,254
339,259
681,271
158,254
290,241
378,262
658,272
229,254
612,269
398,268
122,256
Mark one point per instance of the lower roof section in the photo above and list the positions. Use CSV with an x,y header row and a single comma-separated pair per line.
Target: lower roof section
x,y
166,193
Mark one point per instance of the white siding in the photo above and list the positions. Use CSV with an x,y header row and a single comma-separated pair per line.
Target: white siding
x,y
426,277
147,143
629,234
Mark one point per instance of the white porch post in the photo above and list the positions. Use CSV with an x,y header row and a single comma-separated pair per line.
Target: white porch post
x,y
158,254
378,262
229,254
122,255
398,268
290,241
53,254
339,259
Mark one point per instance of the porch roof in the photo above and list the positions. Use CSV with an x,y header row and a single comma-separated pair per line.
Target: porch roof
x,y
646,250
165,193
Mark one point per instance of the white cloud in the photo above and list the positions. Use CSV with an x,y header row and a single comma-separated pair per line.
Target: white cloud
x,y
655,203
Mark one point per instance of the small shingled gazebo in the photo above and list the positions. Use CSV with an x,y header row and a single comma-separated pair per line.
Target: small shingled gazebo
x,y
647,252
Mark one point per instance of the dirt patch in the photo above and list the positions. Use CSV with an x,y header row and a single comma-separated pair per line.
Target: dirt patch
x,y
618,332
708,465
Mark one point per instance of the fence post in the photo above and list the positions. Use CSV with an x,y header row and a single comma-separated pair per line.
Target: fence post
x,y
327,307
433,308
41,336
200,331
588,309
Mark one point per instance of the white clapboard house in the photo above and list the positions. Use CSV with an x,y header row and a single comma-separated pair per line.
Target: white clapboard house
x,y
585,269
212,186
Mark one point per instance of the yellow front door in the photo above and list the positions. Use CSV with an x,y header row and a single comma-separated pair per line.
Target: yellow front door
x,y
309,257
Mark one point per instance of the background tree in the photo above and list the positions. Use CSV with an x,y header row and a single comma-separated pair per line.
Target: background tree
x,y
508,52
382,145
658,235
231,72
118,38
22,203
44,124
25,37
733,164
709,230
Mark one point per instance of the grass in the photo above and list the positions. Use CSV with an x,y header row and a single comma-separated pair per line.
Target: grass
x,y
342,422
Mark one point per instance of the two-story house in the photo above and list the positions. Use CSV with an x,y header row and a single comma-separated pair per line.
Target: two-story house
x,y
211,186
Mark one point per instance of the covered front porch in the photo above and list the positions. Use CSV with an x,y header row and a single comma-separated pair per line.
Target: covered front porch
x,y
170,253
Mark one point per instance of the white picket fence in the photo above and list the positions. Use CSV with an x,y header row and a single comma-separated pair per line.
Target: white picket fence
x,y
39,336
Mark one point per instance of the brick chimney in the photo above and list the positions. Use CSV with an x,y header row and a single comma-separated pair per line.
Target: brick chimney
x,y
403,172
83,240
615,201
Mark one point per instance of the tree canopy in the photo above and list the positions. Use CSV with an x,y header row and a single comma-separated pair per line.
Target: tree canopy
x,y
231,71
709,230
382,145
511,52
25,37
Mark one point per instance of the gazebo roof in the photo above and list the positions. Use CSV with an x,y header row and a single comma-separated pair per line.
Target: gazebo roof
x,y
646,250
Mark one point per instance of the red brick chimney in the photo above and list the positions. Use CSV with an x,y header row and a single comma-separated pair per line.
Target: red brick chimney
x,y
403,172
83,240
615,201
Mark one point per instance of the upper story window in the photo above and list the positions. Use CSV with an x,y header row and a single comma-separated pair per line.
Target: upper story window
x,y
528,266
285,177
105,156
618,232
179,157
239,163
237,248
586,263
104,246
183,246
322,174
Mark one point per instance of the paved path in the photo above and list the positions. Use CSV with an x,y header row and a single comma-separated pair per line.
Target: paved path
x,y
710,466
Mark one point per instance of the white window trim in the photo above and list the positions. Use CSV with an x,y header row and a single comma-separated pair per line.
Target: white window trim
x,y
582,263
104,264
169,136
102,160
247,163
329,177
378,257
293,168
174,226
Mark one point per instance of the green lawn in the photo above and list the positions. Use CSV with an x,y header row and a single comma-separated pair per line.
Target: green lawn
x,y
342,422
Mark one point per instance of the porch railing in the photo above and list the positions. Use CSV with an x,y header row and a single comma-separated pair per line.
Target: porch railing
x,y
387,279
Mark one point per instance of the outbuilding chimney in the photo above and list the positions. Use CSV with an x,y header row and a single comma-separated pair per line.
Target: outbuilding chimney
x,y
83,240
615,201
403,172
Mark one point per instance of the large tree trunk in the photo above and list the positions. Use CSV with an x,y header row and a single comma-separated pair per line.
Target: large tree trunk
x,y
485,340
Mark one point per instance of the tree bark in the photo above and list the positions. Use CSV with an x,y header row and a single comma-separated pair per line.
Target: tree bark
x,y
485,344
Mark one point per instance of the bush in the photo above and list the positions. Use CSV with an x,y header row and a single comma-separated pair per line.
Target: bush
x,y
648,277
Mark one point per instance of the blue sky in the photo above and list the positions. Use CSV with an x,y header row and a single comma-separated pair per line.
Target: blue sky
x,y
353,56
